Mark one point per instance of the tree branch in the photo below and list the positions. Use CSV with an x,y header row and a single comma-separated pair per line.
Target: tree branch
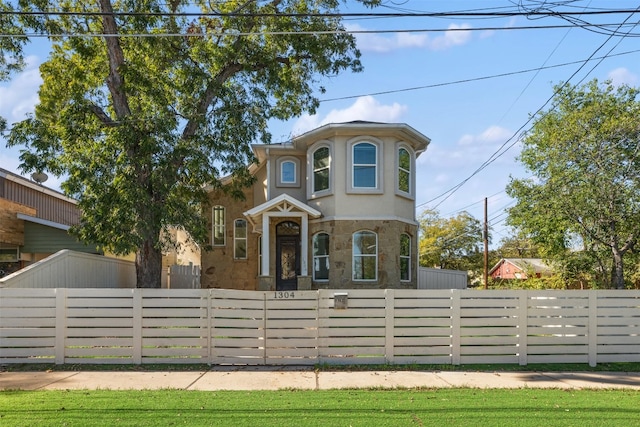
x,y
115,81
102,116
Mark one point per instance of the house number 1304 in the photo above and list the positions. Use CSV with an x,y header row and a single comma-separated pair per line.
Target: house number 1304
x,y
284,295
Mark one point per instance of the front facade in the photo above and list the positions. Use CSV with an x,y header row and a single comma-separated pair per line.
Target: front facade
x,y
333,208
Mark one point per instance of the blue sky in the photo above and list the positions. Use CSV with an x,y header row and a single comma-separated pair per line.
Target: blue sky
x,y
463,82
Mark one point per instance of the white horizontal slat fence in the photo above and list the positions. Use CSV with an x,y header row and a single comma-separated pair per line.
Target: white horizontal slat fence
x,y
355,334
143,326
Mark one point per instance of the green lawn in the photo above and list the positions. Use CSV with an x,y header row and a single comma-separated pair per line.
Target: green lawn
x,y
371,408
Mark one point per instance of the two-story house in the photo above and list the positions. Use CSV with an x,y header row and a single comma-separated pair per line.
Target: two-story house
x,y
332,208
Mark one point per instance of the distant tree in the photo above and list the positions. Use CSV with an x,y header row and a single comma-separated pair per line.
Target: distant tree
x,y
585,156
452,243
514,246
143,103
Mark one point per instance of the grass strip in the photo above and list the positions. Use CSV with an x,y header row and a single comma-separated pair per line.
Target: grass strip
x,y
398,407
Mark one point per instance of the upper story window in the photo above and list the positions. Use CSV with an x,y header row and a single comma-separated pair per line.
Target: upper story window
x,y
365,256
218,227
288,168
364,166
240,239
321,169
288,172
405,257
321,256
404,170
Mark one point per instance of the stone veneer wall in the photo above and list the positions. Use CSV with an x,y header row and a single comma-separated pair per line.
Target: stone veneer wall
x,y
12,228
219,268
340,253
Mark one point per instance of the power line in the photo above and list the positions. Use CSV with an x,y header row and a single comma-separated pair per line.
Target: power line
x,y
213,14
473,79
499,152
306,33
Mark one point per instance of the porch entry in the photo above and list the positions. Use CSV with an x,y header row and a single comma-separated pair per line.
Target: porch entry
x,y
287,256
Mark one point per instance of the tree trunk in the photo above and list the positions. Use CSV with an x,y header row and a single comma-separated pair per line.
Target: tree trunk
x,y
617,279
148,265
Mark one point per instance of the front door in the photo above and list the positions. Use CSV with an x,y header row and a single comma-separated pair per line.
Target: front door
x,y
287,256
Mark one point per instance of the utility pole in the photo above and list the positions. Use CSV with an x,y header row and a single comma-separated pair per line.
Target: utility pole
x,y
486,246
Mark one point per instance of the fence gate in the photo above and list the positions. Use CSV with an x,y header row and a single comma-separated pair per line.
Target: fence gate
x,y
184,277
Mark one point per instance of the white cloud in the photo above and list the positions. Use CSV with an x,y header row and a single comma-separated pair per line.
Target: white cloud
x,y
370,42
621,76
442,177
456,35
470,149
493,134
365,108
20,95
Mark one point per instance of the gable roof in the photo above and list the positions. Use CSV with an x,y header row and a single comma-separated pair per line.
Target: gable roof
x,y
537,265
283,203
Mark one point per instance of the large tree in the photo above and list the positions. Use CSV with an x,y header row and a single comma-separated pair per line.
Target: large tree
x,y
584,154
452,243
144,102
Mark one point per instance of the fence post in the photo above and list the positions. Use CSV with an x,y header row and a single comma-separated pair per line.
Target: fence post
x,y
318,326
209,325
389,297
523,333
264,328
61,325
213,296
137,326
593,327
455,327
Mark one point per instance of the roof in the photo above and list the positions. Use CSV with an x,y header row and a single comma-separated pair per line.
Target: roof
x,y
299,144
537,265
282,203
10,176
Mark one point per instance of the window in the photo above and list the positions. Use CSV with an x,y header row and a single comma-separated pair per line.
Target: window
x,y
218,235
365,255
364,165
321,162
321,256
404,171
9,254
405,258
288,172
240,239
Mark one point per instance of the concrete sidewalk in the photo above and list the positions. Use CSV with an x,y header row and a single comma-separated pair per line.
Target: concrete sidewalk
x,y
305,378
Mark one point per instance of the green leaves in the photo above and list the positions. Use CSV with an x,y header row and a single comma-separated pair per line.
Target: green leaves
x,y
585,155
451,243
142,110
